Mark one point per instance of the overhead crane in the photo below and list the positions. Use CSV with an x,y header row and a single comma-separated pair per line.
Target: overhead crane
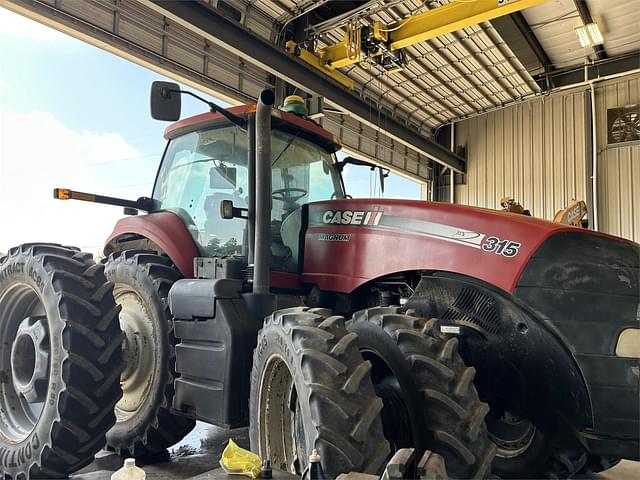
x,y
383,43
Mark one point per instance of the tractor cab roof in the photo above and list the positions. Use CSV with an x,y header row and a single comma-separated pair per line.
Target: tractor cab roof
x,y
281,120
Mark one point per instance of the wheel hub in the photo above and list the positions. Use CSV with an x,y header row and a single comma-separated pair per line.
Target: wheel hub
x,y
139,350
24,362
130,352
280,418
30,359
511,434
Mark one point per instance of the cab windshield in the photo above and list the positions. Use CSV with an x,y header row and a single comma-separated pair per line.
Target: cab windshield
x,y
200,169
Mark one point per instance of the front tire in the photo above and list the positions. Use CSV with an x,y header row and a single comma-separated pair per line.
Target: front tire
x,y
145,425
428,392
310,389
60,360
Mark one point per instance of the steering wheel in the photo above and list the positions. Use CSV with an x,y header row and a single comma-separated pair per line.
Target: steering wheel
x,y
285,194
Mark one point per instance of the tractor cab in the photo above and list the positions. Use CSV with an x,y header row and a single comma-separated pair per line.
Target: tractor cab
x,y
206,164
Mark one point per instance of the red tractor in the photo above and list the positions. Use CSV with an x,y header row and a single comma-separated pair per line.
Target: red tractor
x,y
500,341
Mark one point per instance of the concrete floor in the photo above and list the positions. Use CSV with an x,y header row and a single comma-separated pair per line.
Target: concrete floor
x,y
625,470
196,457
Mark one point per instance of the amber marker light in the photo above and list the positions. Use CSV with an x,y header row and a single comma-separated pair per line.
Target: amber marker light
x,y
61,193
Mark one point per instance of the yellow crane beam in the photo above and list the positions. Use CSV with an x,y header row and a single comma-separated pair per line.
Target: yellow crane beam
x,y
316,62
424,26
451,17
337,56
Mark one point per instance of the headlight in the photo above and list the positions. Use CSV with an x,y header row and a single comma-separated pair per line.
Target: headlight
x,y
629,343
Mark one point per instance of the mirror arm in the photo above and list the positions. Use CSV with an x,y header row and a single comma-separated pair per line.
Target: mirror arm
x,y
355,161
235,119
383,171
363,163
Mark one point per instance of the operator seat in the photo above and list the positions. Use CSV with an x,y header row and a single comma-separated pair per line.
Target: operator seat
x,y
290,232
285,241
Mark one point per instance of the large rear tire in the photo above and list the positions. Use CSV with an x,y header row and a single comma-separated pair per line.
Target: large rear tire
x,y
310,389
430,402
60,360
145,425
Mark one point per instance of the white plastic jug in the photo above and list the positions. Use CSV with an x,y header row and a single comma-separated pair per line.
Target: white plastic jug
x,y
129,471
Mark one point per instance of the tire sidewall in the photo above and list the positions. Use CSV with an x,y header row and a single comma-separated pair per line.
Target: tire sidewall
x,y
375,339
26,270
128,274
276,342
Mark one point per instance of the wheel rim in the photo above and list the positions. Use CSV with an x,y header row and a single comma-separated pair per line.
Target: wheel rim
x,y
396,422
25,328
511,434
281,429
140,352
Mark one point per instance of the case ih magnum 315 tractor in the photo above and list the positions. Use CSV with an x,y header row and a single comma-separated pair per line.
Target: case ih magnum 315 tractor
x,y
500,341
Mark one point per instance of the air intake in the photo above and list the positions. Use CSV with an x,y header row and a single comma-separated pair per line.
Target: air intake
x,y
475,310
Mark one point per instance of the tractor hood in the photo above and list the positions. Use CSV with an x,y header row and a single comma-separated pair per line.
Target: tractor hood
x,y
350,242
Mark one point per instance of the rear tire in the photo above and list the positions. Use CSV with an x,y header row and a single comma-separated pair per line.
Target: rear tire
x,y
427,389
145,425
61,374
310,388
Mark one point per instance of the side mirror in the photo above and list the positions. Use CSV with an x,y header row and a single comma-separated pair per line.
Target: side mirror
x,y
228,211
165,101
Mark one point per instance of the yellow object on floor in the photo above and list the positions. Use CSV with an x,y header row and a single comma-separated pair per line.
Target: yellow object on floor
x,y
238,461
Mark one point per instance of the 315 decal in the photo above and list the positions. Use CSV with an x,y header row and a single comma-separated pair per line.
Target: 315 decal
x,y
506,248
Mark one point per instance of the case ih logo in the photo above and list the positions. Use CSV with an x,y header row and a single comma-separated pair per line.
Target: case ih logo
x,y
352,217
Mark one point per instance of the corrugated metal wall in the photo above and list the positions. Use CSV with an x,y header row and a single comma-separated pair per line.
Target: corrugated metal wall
x,y
618,167
533,151
537,152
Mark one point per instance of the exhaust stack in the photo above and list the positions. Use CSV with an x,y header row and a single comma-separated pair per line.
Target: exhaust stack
x,y
262,249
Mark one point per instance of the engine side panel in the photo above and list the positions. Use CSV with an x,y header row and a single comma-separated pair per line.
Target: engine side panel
x,y
350,242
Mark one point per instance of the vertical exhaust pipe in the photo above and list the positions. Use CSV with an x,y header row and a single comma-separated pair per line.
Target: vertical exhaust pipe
x,y
251,174
262,250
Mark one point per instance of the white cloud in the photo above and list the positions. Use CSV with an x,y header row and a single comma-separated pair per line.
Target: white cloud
x,y
4,84
17,26
38,153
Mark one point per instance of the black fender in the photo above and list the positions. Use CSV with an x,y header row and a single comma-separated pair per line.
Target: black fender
x,y
521,362
587,287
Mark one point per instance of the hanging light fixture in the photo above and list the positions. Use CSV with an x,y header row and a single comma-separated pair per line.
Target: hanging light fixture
x,y
589,35
595,34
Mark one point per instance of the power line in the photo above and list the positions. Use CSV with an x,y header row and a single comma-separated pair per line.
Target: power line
x,y
116,160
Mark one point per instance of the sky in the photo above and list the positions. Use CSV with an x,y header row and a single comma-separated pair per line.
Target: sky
x,y
75,116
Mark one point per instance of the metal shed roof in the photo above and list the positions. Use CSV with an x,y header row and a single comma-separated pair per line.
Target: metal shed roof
x,y
554,24
471,70
446,78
